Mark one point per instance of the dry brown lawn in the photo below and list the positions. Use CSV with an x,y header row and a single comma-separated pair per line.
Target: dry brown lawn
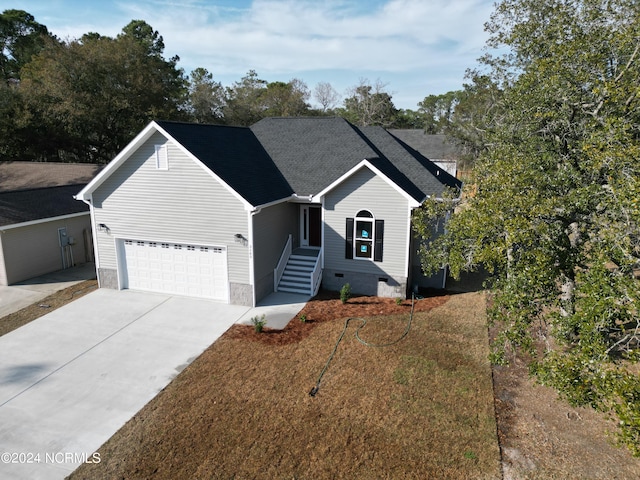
x,y
419,409
422,408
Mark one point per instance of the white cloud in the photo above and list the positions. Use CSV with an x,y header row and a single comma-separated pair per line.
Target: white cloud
x,y
424,42
286,35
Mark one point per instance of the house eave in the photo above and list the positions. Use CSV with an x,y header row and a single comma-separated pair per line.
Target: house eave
x,y
85,194
41,220
413,203
257,208
293,198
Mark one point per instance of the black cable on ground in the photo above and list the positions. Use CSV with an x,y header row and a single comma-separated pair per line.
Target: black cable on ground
x,y
315,389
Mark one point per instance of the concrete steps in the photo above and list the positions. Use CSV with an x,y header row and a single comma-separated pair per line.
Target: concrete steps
x,y
296,277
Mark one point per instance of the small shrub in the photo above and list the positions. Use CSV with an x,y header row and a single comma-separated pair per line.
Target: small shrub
x,y
470,455
345,293
258,323
399,300
303,317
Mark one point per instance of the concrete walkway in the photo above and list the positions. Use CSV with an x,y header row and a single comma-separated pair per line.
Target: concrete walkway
x,y
70,379
278,308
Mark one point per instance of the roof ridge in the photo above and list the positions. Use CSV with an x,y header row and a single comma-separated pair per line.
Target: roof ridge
x,y
194,124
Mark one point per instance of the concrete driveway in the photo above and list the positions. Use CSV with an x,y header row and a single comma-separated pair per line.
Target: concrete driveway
x,y
23,294
71,379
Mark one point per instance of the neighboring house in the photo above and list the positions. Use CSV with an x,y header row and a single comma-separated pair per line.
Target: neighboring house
x,y
42,227
234,213
435,147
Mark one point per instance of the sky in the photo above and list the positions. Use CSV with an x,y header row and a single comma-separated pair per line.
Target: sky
x,y
414,48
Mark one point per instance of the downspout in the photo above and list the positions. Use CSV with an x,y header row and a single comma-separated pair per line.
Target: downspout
x,y
322,223
94,235
409,259
252,266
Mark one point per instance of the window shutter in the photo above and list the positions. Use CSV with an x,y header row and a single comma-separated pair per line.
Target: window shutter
x,y
377,249
348,250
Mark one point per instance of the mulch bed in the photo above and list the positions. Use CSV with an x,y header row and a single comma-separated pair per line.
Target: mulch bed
x,y
328,307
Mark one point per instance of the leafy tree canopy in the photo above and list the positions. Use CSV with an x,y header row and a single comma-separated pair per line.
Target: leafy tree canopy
x,y
553,211
21,37
206,98
286,99
92,96
244,100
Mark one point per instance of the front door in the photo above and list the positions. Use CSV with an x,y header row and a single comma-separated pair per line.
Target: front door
x,y
310,226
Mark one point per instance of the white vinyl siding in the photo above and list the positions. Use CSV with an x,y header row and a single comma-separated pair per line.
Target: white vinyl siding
x,y
272,227
162,158
366,191
184,205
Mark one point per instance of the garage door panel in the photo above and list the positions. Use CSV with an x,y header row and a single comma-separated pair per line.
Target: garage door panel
x,y
182,269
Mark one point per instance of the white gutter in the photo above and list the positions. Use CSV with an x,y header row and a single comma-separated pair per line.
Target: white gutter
x,y
308,198
293,196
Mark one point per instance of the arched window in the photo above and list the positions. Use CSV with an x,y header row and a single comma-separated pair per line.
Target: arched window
x,y
364,237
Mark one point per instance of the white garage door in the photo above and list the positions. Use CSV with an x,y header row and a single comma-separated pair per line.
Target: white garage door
x,y
183,269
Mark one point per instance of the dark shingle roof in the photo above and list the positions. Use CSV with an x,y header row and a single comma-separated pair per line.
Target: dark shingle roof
x,y
39,203
416,170
236,156
312,152
434,147
277,157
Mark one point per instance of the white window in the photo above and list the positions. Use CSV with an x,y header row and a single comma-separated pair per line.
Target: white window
x,y
162,158
363,235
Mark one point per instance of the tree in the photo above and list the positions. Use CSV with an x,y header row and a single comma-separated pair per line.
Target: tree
x,y
14,133
553,213
438,111
476,106
145,35
369,105
206,97
326,96
244,104
289,99
463,115
407,118
86,99
21,37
